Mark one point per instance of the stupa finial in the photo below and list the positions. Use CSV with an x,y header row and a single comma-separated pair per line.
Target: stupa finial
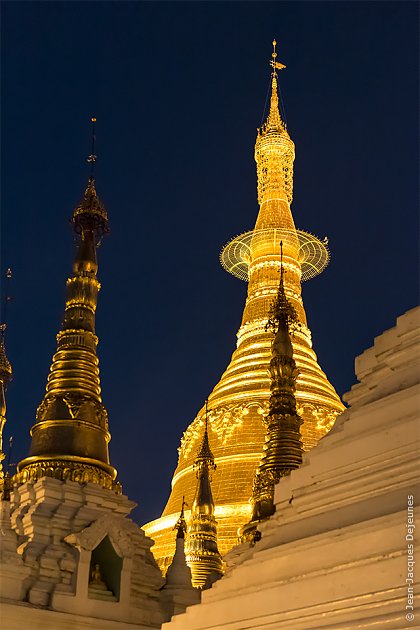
x,y
274,120
276,65
90,216
92,157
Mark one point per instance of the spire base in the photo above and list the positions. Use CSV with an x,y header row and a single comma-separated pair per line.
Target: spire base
x,y
71,468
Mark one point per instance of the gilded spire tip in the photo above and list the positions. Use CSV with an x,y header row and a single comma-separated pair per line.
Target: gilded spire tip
x,y
204,454
274,120
276,65
91,214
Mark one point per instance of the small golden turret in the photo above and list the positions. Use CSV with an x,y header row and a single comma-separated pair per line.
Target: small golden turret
x,y
202,554
70,436
283,447
181,525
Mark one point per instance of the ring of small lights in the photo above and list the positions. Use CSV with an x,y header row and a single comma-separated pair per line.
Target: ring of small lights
x,y
314,255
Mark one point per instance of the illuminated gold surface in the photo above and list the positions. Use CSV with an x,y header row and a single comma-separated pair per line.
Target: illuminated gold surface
x,y
201,552
70,437
241,398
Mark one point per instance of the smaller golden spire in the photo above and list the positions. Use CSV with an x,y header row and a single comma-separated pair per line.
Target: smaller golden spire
x,y
203,555
181,525
5,375
283,447
204,466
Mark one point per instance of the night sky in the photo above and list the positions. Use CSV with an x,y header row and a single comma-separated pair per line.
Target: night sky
x,y
179,90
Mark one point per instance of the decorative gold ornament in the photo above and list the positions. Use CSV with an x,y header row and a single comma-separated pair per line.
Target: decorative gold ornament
x,y
313,254
237,439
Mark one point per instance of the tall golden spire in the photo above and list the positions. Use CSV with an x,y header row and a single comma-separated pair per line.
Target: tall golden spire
x,y
5,377
70,436
202,555
240,401
283,446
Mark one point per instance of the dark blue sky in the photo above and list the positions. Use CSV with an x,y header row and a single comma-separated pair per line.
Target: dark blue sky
x,y
178,90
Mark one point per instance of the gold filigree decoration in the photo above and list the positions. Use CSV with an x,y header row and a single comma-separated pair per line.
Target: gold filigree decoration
x,y
324,417
223,421
73,407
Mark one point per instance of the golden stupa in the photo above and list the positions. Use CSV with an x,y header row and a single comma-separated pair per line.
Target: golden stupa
x,y
240,399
